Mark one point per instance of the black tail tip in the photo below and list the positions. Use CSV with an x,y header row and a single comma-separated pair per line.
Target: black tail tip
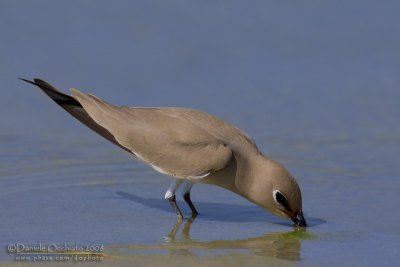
x,y
38,82
28,81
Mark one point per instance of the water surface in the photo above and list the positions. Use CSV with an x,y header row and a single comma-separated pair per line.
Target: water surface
x,y
315,84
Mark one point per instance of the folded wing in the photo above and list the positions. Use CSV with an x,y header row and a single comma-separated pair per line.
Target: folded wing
x,y
172,142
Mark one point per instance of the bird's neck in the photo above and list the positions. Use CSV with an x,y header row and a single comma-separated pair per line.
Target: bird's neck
x,y
242,177
249,183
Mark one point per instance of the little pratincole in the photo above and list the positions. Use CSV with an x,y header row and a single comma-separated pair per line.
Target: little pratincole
x,y
190,146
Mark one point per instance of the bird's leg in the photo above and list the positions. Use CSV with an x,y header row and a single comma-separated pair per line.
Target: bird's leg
x,y
170,196
172,201
186,196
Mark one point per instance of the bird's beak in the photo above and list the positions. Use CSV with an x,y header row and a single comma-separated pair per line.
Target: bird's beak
x,y
299,220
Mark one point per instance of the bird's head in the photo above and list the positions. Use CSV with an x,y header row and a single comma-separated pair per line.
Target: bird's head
x,y
273,188
288,207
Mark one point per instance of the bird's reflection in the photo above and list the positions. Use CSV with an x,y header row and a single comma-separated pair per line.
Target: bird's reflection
x,y
279,245
282,245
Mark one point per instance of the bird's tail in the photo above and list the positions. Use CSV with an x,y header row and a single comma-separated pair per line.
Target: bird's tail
x,y
65,101
73,107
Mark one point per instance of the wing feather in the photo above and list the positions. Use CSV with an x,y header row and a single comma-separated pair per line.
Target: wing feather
x,y
171,142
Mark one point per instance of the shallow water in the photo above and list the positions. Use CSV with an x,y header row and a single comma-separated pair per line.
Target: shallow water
x,y
315,84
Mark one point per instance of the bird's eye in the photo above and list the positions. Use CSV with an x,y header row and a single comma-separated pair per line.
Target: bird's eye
x,y
281,200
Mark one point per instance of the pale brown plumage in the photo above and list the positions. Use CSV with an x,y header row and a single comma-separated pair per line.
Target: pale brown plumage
x,y
191,146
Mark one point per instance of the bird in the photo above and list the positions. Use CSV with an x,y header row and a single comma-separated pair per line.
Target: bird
x,y
190,146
